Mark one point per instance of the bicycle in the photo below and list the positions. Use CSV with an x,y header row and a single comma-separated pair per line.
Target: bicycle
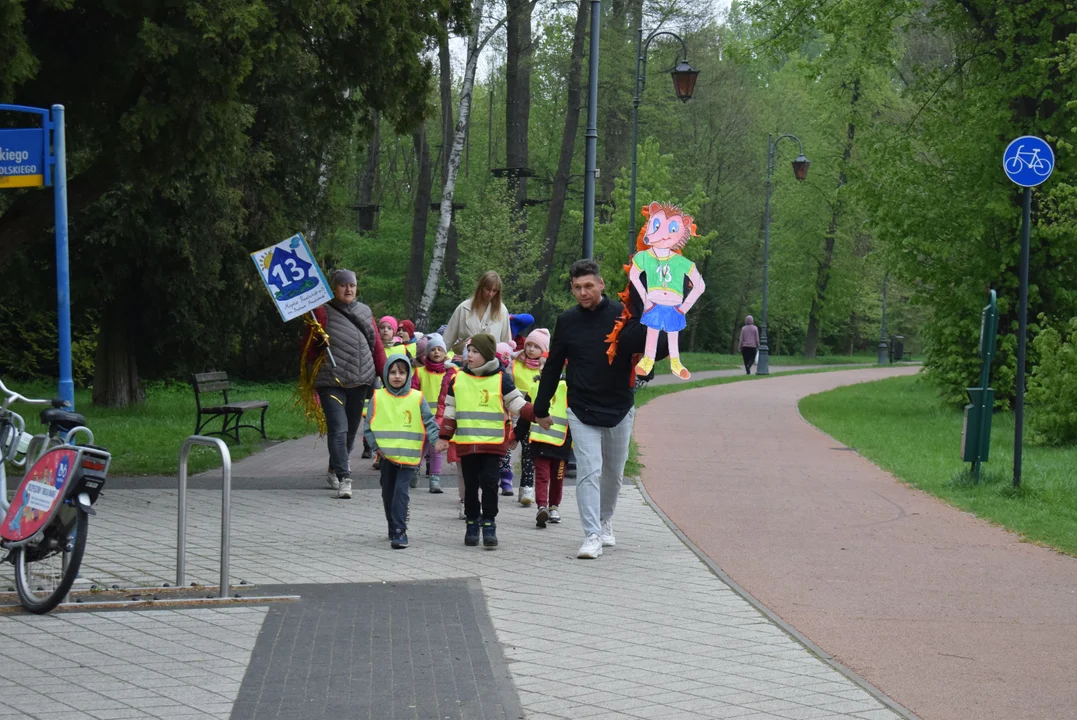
x,y
1032,160
46,521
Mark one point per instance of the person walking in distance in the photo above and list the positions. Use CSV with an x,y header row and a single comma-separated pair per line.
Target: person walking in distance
x,y
343,390
749,343
601,382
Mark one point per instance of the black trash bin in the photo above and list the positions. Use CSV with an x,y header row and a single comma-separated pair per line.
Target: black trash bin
x,y
897,348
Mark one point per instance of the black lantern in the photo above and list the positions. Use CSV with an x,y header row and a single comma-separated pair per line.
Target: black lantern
x,y
800,167
684,80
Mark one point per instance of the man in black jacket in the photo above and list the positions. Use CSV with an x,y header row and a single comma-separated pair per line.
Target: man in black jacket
x,y
600,398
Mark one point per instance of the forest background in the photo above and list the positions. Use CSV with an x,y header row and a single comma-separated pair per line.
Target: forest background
x,y
198,132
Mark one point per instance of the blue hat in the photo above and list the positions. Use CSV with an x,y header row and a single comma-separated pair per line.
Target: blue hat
x,y
519,323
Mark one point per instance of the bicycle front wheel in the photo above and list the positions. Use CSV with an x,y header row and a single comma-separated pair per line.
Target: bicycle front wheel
x,y
45,572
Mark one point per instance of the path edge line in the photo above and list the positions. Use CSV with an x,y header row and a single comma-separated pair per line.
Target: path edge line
x,y
788,629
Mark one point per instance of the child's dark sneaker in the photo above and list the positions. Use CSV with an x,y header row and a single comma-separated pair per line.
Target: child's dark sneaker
x,y
489,534
542,517
400,541
471,537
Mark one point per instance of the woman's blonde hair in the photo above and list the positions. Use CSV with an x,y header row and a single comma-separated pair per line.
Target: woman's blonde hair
x,y
490,278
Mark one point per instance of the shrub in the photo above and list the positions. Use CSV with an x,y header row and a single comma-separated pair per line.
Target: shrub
x,y
1052,389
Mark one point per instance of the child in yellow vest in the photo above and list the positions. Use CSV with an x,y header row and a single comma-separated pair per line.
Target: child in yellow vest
x,y
526,370
550,451
479,400
400,422
427,379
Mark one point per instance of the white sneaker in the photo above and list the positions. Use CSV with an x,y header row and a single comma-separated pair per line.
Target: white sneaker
x,y
591,548
555,515
607,534
527,496
345,491
332,481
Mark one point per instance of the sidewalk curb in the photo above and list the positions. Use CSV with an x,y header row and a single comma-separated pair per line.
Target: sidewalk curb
x,y
766,612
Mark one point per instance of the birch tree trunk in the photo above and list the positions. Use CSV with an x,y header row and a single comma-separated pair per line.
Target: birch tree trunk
x,y
441,238
452,247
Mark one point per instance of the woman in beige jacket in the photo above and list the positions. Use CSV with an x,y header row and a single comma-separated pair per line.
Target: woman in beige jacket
x,y
483,312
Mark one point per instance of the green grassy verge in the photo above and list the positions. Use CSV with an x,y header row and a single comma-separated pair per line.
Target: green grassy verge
x,y
146,439
900,425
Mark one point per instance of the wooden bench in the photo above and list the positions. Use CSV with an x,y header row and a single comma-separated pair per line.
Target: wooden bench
x,y
232,412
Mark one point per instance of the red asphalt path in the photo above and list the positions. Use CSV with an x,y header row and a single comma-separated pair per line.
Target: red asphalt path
x,y
950,616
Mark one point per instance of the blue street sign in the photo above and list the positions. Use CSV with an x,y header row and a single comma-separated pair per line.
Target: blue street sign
x,y
1028,161
36,157
22,158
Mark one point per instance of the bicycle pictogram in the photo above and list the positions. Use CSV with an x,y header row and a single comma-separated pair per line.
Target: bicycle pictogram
x,y
1028,159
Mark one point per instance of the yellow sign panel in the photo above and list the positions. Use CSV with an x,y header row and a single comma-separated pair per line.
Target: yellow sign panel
x,y
21,181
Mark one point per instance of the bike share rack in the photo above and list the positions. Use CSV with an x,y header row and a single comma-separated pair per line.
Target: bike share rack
x,y
226,509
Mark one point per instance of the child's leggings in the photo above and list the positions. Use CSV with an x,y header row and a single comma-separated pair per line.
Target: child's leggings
x,y
436,460
549,481
527,466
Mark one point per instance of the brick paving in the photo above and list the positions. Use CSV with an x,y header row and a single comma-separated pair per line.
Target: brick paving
x,y
645,632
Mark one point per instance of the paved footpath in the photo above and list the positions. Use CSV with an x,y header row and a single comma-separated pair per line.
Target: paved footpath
x,y
950,616
647,631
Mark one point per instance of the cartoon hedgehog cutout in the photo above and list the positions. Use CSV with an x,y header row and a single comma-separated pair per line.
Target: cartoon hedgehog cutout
x,y
660,262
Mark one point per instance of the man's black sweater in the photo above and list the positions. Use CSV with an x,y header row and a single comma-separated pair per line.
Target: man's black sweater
x,y
600,393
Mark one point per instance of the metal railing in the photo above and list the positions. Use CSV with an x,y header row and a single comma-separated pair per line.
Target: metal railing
x,y
226,500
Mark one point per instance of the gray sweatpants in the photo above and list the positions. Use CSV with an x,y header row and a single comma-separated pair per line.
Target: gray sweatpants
x,y
601,453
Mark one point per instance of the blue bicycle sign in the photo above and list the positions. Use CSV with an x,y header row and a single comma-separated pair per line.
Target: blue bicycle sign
x,y
1028,161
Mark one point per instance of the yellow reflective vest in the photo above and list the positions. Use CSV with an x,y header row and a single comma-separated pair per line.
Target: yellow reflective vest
x,y
525,379
480,410
431,386
397,424
410,348
558,432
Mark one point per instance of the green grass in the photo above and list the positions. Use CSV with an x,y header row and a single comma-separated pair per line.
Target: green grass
x,y
900,425
146,439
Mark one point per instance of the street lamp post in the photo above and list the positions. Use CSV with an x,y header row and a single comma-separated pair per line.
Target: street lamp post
x,y
800,171
684,83
882,329
591,135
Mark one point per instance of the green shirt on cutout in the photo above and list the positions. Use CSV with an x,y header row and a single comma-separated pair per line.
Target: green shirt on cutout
x,y
664,273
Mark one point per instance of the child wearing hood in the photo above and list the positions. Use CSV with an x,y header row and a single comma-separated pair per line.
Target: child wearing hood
x,y
428,379
400,422
526,370
478,403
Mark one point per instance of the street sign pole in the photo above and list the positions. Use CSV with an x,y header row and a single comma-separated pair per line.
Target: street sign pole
x,y
36,157
1027,161
63,274
1022,340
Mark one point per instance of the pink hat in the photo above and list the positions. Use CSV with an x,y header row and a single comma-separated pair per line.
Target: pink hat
x,y
392,323
504,353
541,337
